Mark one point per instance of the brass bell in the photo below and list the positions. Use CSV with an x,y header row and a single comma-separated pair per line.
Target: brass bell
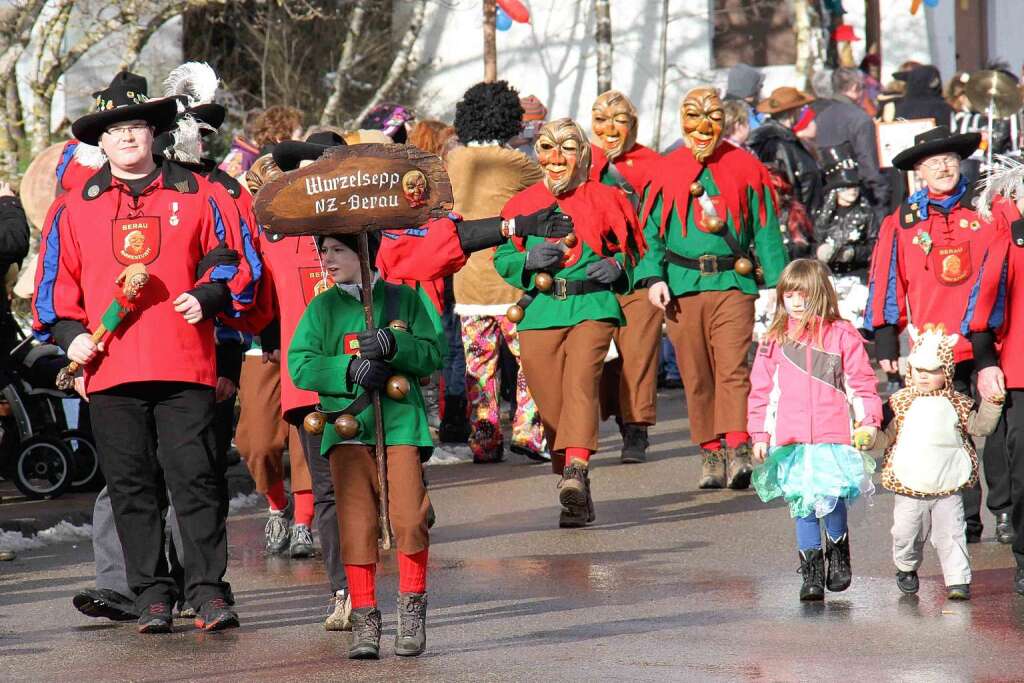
x,y
399,325
696,189
713,223
397,387
314,423
544,282
515,313
346,426
571,240
743,266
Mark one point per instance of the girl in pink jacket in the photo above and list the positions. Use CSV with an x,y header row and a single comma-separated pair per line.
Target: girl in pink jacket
x,y
811,384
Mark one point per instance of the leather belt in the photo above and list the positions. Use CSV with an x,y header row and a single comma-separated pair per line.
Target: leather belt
x,y
708,264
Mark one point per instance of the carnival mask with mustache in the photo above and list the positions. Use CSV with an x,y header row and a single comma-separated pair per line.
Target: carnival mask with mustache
x,y
563,154
613,123
702,117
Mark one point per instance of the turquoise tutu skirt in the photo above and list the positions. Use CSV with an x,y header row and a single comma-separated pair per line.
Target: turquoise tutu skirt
x,y
813,477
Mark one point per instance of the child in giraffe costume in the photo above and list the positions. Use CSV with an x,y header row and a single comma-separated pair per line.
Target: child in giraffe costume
x,y
929,459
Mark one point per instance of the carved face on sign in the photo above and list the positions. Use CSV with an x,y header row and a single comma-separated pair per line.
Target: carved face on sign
x,y
613,123
702,118
414,187
563,154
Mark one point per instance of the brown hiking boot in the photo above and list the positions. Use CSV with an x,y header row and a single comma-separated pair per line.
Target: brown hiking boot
x,y
712,470
574,495
739,467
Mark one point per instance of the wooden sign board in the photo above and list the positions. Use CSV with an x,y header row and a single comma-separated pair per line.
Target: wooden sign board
x,y
895,136
357,188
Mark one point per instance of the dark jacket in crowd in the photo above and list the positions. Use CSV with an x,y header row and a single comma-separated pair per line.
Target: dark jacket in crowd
x,y
923,97
844,121
778,146
14,234
850,231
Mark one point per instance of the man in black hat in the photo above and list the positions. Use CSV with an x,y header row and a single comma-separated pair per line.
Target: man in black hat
x,y
154,380
927,258
846,227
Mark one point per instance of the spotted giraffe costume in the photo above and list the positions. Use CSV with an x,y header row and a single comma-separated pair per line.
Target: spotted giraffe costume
x,y
930,458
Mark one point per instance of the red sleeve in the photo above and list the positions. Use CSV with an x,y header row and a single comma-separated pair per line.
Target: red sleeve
x,y
887,295
232,224
58,293
986,304
429,252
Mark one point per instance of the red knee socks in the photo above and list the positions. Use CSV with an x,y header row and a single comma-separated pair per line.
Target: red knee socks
x,y
276,496
575,453
731,440
362,578
362,584
736,439
412,572
303,507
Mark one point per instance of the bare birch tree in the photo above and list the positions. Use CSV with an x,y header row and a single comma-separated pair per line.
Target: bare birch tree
x,y
343,72
603,38
490,41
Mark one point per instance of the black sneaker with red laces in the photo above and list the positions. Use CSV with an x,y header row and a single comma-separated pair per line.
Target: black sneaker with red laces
x,y
216,614
156,618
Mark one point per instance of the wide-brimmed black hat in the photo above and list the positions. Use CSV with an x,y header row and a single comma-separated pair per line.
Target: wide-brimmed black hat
x,y
289,153
840,166
124,99
938,140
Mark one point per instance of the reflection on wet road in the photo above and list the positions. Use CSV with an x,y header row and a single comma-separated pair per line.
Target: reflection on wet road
x,y
670,584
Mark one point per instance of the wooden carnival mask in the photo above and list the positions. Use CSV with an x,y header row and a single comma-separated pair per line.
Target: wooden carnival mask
x,y
702,118
613,123
563,154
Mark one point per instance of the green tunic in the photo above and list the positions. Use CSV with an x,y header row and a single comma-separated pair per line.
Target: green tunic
x,y
766,238
318,360
546,311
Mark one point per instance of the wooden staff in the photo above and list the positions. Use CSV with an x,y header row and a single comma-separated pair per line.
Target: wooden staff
x,y
378,415
131,281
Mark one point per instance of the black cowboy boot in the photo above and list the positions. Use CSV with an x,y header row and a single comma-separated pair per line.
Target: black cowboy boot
x,y
574,495
712,470
840,574
411,638
365,634
738,467
812,566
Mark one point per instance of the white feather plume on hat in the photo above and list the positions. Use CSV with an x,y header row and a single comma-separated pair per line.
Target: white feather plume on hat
x,y
1006,179
188,136
90,156
197,81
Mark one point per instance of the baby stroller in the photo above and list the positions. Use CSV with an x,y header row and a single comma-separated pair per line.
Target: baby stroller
x,y
38,451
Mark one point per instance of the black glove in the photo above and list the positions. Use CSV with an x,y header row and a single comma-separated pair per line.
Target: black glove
x,y
377,344
544,223
543,256
369,374
605,271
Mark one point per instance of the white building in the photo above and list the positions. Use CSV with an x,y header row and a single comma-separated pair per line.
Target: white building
x,y
554,56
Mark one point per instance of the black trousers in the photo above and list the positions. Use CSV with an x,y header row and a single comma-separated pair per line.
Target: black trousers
x,y
325,516
180,415
994,460
1013,414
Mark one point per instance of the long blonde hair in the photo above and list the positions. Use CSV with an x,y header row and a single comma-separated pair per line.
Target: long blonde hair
x,y
811,278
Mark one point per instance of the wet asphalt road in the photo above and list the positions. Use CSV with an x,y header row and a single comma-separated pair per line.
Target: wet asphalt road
x,y
670,584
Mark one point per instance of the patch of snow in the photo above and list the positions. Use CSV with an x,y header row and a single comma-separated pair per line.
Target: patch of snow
x,y
243,501
59,533
450,454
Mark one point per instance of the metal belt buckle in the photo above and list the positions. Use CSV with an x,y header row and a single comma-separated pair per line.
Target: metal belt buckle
x,y
702,261
558,291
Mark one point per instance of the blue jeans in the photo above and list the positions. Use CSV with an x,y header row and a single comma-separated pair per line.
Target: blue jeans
x,y
668,369
454,371
808,529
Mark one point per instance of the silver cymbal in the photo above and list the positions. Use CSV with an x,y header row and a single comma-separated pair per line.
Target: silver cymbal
x,y
994,89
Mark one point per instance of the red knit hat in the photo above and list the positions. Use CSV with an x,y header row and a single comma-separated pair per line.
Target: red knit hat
x,y
844,34
533,109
